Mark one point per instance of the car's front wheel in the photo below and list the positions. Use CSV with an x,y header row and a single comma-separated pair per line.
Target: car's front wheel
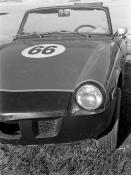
x,y
109,141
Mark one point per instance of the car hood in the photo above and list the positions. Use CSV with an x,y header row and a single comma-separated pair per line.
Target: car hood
x,y
78,62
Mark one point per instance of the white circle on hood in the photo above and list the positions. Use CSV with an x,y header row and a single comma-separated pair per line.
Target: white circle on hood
x,y
43,50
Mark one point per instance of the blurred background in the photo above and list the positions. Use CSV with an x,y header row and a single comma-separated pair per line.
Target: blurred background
x,y
12,11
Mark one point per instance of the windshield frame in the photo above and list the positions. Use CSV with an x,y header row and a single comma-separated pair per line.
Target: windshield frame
x,y
105,9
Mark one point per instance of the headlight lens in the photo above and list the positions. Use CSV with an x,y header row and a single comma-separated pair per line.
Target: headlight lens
x,y
89,97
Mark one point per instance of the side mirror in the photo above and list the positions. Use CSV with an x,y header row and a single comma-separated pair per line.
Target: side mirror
x,y
122,31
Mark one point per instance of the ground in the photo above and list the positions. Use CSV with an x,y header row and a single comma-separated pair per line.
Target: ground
x,y
73,159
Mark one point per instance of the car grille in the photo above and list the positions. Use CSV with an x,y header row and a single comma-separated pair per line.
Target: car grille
x,y
48,128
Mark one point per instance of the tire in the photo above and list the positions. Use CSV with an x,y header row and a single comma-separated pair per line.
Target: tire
x,y
126,107
109,142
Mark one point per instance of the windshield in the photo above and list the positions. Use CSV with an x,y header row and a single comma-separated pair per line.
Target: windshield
x,y
93,21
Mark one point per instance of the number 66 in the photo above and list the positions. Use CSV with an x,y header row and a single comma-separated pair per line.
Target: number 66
x,y
41,49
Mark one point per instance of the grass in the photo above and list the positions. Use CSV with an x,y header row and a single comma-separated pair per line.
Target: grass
x,y
82,158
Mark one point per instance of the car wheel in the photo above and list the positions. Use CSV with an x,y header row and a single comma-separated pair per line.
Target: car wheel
x,y
109,142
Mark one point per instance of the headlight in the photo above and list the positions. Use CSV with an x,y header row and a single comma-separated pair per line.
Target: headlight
x,y
89,97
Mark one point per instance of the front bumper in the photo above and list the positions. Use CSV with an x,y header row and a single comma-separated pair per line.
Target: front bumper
x,y
67,128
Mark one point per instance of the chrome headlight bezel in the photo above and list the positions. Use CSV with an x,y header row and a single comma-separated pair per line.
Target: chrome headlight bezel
x,y
100,89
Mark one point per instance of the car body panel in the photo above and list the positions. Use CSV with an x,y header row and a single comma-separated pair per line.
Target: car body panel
x,y
77,62
73,129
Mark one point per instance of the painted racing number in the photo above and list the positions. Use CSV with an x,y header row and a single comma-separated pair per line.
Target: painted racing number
x,y
43,51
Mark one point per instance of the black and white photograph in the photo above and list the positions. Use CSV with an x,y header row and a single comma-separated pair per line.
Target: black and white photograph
x,y
65,87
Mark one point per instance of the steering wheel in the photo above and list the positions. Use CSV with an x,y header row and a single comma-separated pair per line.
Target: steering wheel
x,y
86,25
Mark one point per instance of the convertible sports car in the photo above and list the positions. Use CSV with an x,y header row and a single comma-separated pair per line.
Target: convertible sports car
x,y
61,77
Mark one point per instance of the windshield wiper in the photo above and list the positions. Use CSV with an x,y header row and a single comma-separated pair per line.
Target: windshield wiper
x,y
49,33
40,35
62,32
80,34
27,35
